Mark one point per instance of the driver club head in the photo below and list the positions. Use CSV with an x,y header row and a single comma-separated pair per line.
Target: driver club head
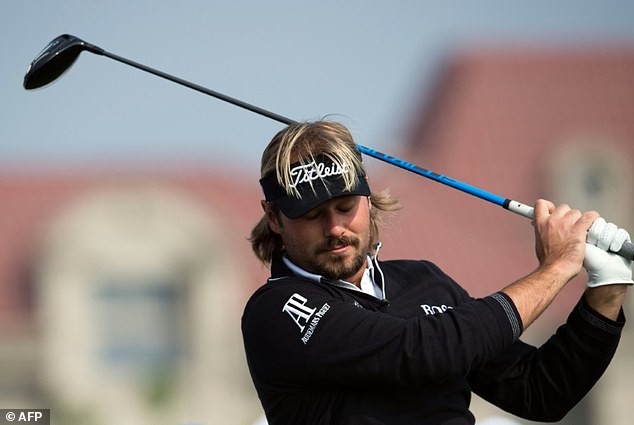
x,y
56,58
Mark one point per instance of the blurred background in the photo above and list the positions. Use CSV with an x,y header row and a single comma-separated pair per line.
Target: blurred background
x,y
126,200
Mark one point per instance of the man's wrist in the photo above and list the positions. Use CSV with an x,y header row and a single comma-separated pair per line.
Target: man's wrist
x,y
606,300
558,271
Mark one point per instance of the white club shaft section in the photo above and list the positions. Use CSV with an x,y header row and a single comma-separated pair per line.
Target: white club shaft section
x,y
521,209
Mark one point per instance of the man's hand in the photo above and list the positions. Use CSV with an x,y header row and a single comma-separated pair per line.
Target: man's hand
x,y
560,236
605,267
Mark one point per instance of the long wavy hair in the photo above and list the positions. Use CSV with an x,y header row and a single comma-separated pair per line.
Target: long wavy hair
x,y
301,142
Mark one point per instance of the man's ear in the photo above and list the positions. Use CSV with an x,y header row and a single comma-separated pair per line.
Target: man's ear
x,y
271,217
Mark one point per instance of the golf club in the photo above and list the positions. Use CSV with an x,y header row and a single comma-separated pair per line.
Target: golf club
x,y
60,54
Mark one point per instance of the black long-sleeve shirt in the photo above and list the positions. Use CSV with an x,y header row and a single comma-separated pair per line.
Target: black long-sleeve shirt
x,y
323,353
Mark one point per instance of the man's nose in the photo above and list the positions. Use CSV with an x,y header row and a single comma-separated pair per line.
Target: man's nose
x,y
334,224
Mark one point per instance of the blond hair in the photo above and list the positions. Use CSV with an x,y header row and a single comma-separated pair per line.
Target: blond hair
x,y
301,142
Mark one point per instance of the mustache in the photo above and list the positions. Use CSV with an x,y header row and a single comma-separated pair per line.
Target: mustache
x,y
333,243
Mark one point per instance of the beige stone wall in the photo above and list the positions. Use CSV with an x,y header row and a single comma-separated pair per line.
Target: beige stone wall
x,y
168,281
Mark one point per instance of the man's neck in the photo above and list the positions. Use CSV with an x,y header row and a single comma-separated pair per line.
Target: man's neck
x,y
356,278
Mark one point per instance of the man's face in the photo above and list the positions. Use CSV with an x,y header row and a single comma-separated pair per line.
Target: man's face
x,y
331,240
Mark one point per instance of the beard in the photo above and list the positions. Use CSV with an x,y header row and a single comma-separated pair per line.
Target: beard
x,y
339,266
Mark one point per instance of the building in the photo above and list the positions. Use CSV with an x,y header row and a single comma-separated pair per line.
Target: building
x,y
121,292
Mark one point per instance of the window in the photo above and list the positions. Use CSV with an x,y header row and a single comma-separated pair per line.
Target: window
x,y
591,174
138,325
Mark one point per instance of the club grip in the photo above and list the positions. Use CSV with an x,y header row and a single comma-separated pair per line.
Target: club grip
x,y
627,251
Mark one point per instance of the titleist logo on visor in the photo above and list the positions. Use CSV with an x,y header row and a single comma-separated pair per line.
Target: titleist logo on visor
x,y
314,183
313,171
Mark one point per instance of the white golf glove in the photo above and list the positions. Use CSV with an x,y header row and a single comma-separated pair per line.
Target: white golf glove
x,y
604,267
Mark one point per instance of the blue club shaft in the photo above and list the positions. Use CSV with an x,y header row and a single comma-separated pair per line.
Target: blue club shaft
x,y
463,187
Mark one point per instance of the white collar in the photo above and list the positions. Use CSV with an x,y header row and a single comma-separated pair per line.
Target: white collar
x,y
368,284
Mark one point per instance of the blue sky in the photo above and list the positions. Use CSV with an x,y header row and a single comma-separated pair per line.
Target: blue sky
x,y
368,62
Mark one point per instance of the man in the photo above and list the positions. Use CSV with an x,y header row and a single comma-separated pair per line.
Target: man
x,y
338,337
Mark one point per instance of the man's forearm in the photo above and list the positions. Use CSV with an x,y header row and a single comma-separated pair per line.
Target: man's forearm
x,y
560,235
535,292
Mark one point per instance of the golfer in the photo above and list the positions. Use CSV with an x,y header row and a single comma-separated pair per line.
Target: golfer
x,y
337,336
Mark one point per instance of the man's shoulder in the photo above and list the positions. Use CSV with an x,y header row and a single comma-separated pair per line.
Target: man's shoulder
x,y
281,285
422,274
279,289
412,266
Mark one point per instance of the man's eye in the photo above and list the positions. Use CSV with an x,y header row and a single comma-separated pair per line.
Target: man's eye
x,y
345,208
311,216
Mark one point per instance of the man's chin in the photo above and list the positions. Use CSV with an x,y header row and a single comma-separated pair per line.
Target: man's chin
x,y
341,269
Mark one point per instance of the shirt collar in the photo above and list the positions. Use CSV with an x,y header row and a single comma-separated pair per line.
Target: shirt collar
x,y
368,285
